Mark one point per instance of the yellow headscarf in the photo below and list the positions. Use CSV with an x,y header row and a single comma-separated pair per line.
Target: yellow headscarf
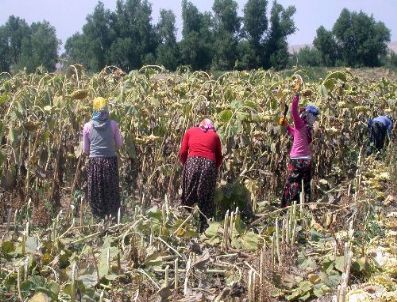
x,y
100,109
99,104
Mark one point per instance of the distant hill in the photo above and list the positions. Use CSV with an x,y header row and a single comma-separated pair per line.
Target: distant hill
x,y
295,48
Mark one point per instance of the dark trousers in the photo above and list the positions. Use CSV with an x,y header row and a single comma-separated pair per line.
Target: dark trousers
x,y
198,185
377,134
299,170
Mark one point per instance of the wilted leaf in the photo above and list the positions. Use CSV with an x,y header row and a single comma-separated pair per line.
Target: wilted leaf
x,y
111,277
320,290
308,264
250,241
212,230
7,247
313,278
32,245
40,297
340,263
164,293
251,104
201,260
331,279
3,98
106,253
89,280
294,295
323,91
154,212
79,94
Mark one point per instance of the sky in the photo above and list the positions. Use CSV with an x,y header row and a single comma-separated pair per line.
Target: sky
x,y
68,16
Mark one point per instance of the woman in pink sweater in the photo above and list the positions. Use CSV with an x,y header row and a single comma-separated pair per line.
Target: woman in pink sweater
x,y
299,166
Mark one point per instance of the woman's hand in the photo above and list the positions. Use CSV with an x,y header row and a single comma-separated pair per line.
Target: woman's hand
x,y
297,87
297,84
283,122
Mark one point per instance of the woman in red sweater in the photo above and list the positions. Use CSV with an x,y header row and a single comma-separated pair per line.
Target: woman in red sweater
x,y
201,156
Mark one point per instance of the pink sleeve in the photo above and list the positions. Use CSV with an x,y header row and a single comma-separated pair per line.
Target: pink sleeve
x,y
86,138
117,135
299,123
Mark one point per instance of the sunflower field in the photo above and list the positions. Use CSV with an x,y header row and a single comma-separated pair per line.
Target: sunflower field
x,y
340,247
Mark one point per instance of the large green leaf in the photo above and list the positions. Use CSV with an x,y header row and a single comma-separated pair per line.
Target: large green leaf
x,y
7,247
3,98
337,75
225,116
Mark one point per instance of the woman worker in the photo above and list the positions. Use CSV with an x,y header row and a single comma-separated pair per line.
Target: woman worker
x,y
101,139
201,155
300,163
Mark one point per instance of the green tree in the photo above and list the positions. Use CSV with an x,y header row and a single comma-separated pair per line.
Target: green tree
x,y
136,40
41,49
5,58
226,30
325,43
75,50
306,56
281,26
362,40
167,51
17,32
24,46
255,26
255,20
248,58
91,48
196,45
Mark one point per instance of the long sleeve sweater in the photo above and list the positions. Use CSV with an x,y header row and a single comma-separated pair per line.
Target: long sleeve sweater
x,y
385,121
105,144
197,142
301,139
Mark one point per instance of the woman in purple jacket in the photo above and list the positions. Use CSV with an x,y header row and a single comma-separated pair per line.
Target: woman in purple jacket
x,y
101,139
299,166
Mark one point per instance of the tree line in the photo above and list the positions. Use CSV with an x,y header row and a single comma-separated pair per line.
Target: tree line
x,y
217,40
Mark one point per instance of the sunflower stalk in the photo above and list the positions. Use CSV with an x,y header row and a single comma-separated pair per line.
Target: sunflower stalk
x,y
186,282
73,284
226,231
176,275
277,238
294,223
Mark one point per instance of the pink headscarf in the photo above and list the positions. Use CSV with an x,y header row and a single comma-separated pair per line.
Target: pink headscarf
x,y
206,124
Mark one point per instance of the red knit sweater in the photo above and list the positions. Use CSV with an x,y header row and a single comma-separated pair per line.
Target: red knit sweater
x,y
197,142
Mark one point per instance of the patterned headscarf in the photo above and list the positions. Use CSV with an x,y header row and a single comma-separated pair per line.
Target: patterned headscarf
x,y
206,124
100,110
309,114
